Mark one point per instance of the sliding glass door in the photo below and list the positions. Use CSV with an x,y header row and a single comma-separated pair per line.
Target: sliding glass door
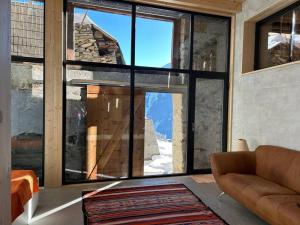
x,y
160,131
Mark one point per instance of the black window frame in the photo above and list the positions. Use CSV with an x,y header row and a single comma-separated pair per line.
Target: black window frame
x,y
192,74
260,23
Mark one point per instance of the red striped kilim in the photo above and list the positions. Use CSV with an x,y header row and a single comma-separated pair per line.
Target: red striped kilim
x,y
162,204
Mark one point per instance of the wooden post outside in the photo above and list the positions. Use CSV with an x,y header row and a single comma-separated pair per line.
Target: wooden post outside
x,y
91,153
93,93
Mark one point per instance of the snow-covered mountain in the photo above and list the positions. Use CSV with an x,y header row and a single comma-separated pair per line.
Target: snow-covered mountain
x,y
169,65
159,108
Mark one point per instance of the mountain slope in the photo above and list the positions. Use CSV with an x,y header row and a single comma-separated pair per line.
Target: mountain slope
x,y
159,108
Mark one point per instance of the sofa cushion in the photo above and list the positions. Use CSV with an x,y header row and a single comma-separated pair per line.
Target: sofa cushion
x,y
279,165
250,188
233,183
282,208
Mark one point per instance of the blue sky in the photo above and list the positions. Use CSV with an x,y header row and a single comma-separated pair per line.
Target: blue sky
x,y
153,37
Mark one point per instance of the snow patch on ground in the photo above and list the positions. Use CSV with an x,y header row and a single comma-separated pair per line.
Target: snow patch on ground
x,y
162,163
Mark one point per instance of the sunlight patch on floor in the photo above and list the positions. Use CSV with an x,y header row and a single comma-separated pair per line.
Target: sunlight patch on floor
x,y
68,204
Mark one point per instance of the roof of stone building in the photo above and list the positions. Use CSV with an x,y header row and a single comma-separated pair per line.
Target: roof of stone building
x,y
94,44
80,18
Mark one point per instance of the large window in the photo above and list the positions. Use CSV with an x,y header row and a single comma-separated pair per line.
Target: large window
x,y
278,40
128,88
27,85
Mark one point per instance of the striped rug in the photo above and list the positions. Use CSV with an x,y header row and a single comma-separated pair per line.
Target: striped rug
x,y
162,204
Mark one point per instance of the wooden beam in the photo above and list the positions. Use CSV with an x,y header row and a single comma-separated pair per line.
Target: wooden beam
x,y
219,7
5,146
270,9
248,47
231,82
53,92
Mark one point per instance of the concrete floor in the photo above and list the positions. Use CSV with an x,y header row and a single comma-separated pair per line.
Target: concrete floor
x,y
62,206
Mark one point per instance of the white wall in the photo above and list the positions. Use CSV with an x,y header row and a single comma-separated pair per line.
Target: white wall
x,y
5,215
266,104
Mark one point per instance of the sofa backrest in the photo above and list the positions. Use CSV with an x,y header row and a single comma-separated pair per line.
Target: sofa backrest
x,y
280,165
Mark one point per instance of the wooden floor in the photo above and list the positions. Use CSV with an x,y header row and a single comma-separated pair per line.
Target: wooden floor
x,y
62,206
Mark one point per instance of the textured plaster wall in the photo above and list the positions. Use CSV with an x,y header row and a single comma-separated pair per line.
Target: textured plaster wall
x,y
266,104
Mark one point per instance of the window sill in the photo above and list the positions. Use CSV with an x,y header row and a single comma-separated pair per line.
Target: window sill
x,y
271,68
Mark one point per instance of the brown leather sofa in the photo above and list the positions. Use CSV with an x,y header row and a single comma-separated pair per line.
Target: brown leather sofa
x,y
266,181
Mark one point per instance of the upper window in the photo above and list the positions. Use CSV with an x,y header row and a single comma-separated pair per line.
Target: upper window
x,y
278,38
167,36
211,40
99,32
27,28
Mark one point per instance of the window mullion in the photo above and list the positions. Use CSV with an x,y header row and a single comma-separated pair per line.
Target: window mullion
x,y
292,35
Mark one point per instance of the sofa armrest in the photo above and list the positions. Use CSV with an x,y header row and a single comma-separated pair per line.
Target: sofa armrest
x,y
232,162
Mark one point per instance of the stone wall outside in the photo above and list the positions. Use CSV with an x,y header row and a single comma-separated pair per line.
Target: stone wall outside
x,y
92,45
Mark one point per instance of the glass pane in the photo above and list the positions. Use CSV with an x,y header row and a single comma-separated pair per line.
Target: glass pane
x,y
27,126
99,32
296,37
275,41
162,38
160,123
27,28
208,121
97,123
210,44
